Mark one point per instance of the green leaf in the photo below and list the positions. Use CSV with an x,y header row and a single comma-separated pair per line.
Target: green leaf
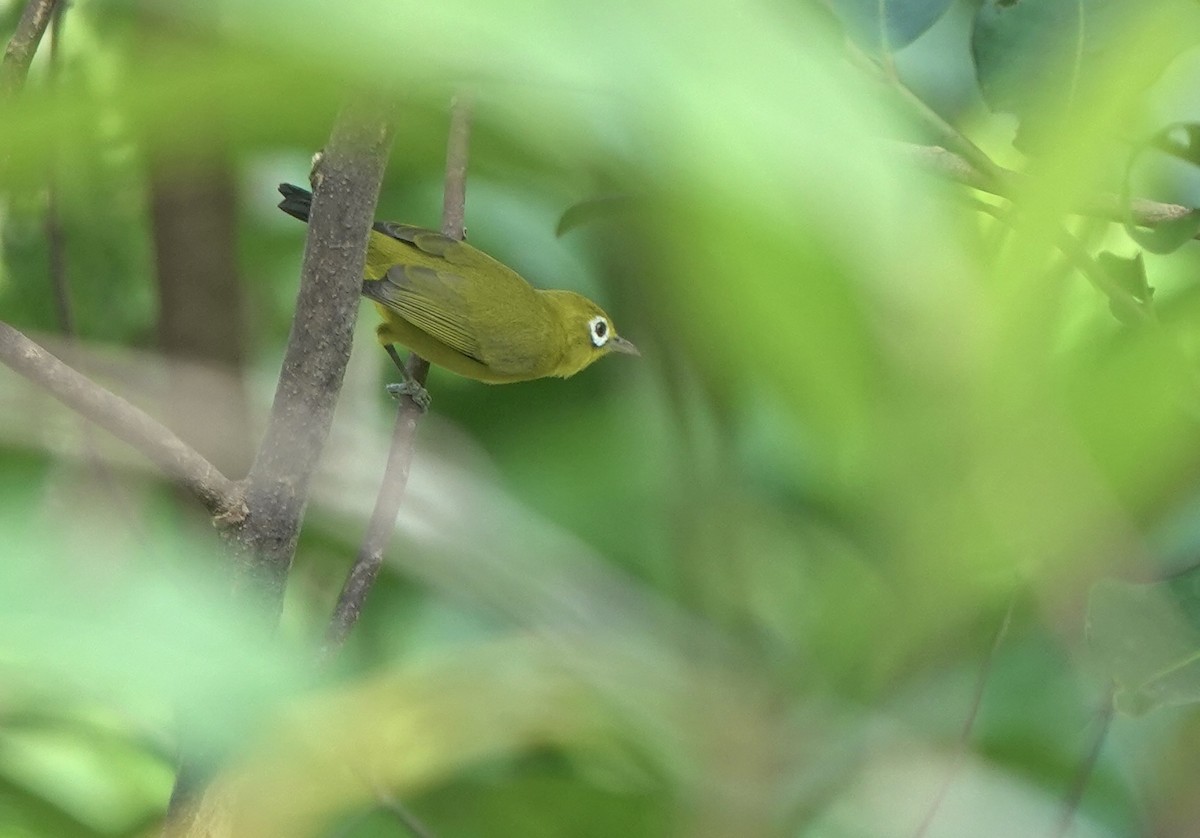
x,y
1130,275
1145,643
1180,139
1182,142
591,210
1031,58
884,26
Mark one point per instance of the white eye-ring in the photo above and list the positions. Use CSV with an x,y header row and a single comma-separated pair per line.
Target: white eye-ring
x,y
598,329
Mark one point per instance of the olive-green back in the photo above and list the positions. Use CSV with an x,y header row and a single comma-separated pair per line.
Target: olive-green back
x,y
459,295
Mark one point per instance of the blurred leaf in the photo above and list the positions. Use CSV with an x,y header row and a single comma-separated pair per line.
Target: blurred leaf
x,y
24,813
144,626
1145,645
1166,236
536,804
593,209
171,101
1130,275
103,778
1181,139
1129,398
884,26
409,730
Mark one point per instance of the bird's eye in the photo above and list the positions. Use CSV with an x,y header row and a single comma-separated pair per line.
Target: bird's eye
x,y
598,327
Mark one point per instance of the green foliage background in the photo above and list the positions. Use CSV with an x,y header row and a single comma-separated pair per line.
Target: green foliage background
x,y
744,586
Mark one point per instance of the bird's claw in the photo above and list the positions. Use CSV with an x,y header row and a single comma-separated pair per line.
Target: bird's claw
x,y
418,394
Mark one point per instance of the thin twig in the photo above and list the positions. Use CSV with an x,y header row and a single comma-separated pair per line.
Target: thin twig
x,y
395,479
964,736
1087,768
387,803
1106,205
56,241
18,55
55,237
1134,310
946,133
454,194
60,286
181,463
410,821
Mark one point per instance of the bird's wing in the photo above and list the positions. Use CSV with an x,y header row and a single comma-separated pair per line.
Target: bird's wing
x,y
423,277
429,242
431,300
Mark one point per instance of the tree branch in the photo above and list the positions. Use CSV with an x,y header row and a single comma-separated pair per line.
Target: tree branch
x,y
180,462
1083,776
964,736
55,236
410,821
1108,206
18,55
945,132
395,478
318,348
401,812
1131,309
458,142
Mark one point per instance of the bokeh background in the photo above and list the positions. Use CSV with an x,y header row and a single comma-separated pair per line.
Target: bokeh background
x,y
890,532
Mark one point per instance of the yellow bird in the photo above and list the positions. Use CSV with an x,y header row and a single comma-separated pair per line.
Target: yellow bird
x,y
459,308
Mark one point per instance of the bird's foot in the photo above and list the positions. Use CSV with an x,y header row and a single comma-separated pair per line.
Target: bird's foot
x,y
418,394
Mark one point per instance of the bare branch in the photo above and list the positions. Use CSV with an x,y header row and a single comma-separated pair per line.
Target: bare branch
x,y
1143,212
18,55
180,462
458,143
395,478
402,813
55,236
1131,309
1083,776
968,728
379,529
946,133
318,348
317,351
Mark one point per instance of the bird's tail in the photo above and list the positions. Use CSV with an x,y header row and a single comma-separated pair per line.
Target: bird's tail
x,y
296,201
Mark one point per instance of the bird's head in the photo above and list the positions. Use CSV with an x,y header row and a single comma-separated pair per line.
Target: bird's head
x,y
587,333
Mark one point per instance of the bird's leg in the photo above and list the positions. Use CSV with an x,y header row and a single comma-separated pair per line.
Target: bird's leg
x,y
409,386
395,356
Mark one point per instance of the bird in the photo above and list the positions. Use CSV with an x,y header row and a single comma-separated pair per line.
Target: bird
x,y
462,310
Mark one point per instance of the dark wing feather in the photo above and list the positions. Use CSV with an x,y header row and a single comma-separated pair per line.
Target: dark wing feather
x,y
433,301
428,242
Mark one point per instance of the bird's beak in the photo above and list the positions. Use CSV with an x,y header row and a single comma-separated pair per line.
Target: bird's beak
x,y
619,344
